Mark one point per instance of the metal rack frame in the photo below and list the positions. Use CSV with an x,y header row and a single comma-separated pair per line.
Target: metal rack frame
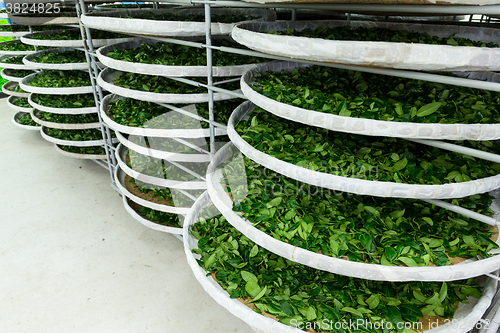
x,y
390,72
110,164
211,87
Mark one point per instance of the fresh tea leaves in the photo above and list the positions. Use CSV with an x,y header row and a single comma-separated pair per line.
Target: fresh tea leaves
x,y
380,35
363,157
19,72
136,113
180,55
76,35
75,135
68,118
92,150
64,101
164,85
289,290
61,57
22,103
61,79
16,60
26,119
386,231
372,96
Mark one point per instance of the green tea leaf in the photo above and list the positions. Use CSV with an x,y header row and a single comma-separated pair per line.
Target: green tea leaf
x,y
372,210
260,294
428,220
247,276
390,253
428,109
210,261
434,299
252,288
408,261
400,165
367,243
418,295
253,253
287,309
443,292
275,202
352,310
311,313
394,315
254,122
373,301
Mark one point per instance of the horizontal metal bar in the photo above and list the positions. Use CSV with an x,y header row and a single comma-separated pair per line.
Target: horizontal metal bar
x,y
421,9
226,81
459,149
225,91
192,146
104,165
111,148
198,84
493,86
179,237
187,81
493,276
463,211
186,169
192,115
187,194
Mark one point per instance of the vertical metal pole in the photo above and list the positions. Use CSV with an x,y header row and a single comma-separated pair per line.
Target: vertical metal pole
x,y
294,14
208,34
30,28
98,95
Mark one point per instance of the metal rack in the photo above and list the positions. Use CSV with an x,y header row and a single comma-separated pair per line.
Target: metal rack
x,y
117,162
109,148
392,72
211,87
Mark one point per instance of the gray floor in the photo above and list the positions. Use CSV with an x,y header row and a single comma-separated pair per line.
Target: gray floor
x,y
72,259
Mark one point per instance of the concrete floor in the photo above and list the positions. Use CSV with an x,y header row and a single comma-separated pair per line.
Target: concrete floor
x,y
73,260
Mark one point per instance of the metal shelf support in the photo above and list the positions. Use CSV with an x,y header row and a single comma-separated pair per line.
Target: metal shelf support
x,y
90,55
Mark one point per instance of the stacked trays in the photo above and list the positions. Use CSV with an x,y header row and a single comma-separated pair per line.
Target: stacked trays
x,y
61,94
11,60
69,38
417,56
62,102
411,216
161,123
12,57
13,31
151,22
